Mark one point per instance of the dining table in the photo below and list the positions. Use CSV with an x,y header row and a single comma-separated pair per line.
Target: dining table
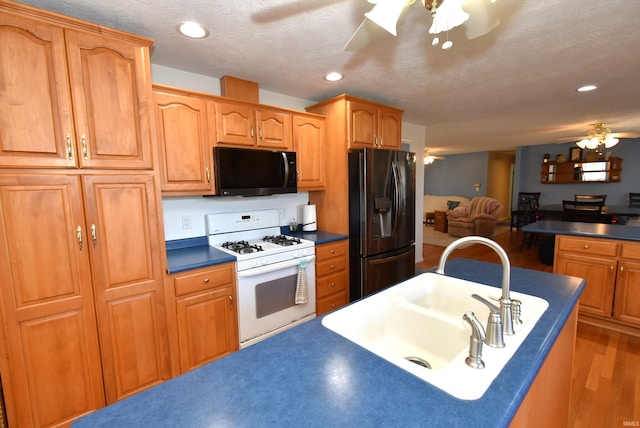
x,y
553,211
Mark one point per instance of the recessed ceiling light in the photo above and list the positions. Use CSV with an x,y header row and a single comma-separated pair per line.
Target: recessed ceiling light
x,y
333,76
587,88
192,29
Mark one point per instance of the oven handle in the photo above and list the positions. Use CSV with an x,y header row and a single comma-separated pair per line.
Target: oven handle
x,y
274,267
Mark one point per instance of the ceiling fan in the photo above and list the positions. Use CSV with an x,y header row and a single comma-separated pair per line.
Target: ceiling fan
x,y
475,15
429,159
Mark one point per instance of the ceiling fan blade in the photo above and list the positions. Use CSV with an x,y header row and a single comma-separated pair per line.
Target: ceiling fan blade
x,y
361,38
482,19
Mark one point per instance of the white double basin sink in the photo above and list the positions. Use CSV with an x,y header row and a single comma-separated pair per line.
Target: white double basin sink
x,y
422,318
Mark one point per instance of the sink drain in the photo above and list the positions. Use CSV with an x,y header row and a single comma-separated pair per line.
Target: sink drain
x,y
419,361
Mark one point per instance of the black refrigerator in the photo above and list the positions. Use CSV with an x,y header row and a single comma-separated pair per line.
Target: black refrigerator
x,y
382,187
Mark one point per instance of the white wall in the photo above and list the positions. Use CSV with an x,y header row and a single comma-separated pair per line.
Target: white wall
x,y
290,205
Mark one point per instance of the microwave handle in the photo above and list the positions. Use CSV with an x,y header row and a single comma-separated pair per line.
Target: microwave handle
x,y
286,169
274,267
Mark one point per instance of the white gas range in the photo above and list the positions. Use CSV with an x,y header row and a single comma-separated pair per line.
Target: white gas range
x,y
270,268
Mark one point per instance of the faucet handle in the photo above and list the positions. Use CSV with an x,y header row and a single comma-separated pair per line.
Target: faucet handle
x,y
516,307
474,360
495,335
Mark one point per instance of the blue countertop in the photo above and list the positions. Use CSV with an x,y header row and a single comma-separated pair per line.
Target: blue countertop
x,y
310,376
194,253
594,230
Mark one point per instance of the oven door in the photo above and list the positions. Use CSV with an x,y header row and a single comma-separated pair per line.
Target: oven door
x,y
266,299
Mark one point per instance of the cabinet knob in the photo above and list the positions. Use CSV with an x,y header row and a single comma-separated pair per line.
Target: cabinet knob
x,y
586,247
333,251
206,280
333,284
230,298
333,266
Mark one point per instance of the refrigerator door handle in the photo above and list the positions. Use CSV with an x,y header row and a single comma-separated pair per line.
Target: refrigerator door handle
x,y
398,198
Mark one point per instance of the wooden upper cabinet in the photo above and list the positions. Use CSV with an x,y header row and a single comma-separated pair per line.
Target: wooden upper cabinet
x,y
309,141
235,124
274,130
246,125
372,125
186,135
100,119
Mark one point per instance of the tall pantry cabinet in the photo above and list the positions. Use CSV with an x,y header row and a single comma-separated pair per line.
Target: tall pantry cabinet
x,y
81,236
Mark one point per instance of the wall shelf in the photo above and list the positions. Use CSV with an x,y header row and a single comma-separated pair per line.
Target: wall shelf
x,y
602,171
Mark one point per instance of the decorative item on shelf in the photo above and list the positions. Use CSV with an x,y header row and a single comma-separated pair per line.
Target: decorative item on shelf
x,y
561,158
546,158
598,138
575,154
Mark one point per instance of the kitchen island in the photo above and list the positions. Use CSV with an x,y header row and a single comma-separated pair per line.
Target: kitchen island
x,y
309,376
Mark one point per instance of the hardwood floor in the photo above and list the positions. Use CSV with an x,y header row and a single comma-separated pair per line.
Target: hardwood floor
x,y
606,374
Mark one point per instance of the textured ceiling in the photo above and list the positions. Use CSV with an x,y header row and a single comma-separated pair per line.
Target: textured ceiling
x,y
511,87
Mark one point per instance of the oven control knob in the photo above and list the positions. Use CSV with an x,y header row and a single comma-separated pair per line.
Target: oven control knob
x,y
264,261
294,255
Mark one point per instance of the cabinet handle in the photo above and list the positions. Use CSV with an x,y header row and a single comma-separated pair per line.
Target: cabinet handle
x,y
252,131
69,148
94,236
208,174
79,236
206,280
84,147
380,141
299,175
611,270
621,270
260,132
230,299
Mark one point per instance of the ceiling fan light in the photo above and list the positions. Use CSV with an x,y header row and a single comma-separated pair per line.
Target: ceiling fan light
x,y
448,16
435,41
386,14
428,160
610,141
446,45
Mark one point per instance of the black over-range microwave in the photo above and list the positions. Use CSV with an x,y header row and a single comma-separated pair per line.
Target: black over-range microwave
x,y
249,172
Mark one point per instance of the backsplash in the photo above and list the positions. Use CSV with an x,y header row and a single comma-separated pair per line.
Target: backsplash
x,y
184,216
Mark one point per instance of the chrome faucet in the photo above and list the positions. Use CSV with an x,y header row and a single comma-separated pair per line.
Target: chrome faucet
x,y
505,300
474,360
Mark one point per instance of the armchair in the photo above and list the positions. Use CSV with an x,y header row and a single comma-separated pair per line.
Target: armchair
x,y
479,217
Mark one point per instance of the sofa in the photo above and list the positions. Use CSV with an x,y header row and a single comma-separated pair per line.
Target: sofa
x,y
479,217
433,203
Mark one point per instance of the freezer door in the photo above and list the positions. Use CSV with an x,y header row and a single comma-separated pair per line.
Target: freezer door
x,y
382,271
385,198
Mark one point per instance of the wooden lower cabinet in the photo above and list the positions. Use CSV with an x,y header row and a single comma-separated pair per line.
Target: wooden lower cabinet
x,y
332,276
204,324
548,400
81,293
612,271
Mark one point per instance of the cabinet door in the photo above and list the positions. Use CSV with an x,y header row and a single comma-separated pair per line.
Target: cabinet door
x,y
35,102
47,301
600,274
274,130
206,327
185,142
122,215
389,129
309,139
235,124
627,301
111,91
362,125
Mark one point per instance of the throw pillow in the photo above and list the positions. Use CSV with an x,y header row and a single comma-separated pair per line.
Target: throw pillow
x,y
451,205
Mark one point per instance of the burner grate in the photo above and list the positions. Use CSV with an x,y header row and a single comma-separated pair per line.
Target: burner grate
x,y
282,240
242,247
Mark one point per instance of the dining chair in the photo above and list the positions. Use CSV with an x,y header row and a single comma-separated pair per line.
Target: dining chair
x,y
591,198
584,211
527,210
634,199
